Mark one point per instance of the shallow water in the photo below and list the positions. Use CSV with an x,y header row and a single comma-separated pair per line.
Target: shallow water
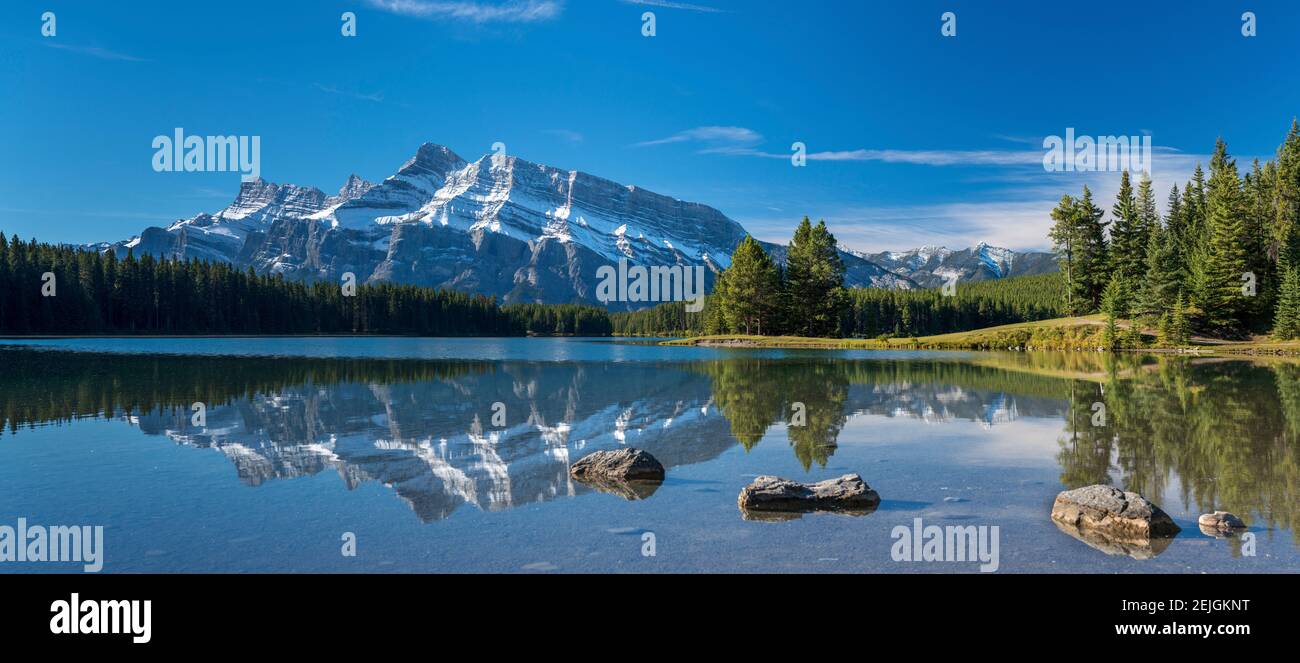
x,y
394,441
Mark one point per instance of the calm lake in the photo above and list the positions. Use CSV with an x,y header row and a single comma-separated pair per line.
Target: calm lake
x,y
442,455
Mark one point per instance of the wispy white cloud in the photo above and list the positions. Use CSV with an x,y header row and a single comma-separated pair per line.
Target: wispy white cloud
x,y
931,157
1009,203
1019,225
507,11
567,135
377,97
714,139
740,141
93,51
669,4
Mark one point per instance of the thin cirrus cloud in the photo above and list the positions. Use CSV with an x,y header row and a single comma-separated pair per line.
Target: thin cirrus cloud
x,y
1014,224
669,4
567,135
507,11
711,139
741,141
94,51
376,97
1017,193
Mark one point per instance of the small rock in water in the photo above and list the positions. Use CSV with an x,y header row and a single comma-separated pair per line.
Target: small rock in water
x,y
1114,514
629,473
622,464
1219,522
847,494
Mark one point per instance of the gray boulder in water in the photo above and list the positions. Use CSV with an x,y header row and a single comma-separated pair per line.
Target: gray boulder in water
x,y
1220,522
848,493
1116,515
618,465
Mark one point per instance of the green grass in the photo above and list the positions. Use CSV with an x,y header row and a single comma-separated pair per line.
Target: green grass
x,y
1056,334
1080,333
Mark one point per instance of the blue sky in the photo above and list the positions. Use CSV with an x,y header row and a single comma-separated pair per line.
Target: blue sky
x,y
914,138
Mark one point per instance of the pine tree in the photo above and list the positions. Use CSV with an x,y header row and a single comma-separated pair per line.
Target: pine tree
x,y
1065,239
1128,238
1286,206
1112,304
1179,331
1226,261
1148,216
715,320
1286,317
1093,259
1079,241
1163,281
814,281
752,299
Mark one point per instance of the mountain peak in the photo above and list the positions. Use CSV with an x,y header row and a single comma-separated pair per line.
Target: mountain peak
x,y
355,187
431,159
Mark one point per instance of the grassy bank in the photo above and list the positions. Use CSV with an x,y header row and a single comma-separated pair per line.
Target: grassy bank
x,y
1057,334
1083,333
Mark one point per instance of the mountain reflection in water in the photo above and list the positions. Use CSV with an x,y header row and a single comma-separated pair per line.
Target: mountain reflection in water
x,y
1224,433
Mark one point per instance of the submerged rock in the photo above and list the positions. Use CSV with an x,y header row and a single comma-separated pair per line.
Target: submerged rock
x,y
1113,516
774,498
1100,540
1219,523
628,490
614,471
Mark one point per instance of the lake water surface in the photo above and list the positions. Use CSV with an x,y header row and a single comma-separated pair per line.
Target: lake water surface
x,y
452,454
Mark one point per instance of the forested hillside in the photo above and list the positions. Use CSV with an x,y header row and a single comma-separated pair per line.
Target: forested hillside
x,y
47,289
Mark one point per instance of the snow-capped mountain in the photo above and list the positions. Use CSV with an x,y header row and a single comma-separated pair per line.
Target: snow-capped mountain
x,y
503,226
931,266
500,225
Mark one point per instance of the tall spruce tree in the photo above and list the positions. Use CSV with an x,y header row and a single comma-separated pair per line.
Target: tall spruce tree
x,y
1079,240
1286,205
1285,238
1065,239
1113,300
814,281
1226,261
1162,283
1258,189
1286,317
1128,246
1093,258
751,302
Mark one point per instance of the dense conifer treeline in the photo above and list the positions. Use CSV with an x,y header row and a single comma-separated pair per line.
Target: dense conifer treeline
x,y
875,312
96,293
560,319
1223,259
878,312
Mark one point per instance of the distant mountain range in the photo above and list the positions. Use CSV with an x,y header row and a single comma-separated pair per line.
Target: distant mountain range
x,y
932,266
503,226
